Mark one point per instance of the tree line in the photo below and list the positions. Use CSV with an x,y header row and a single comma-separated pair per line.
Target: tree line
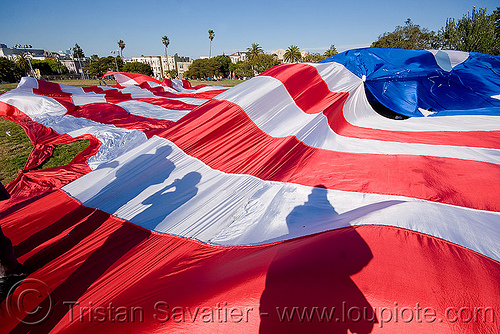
x,y
476,31
255,63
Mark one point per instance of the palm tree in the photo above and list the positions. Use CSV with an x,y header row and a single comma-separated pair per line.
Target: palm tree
x,y
22,63
332,51
292,54
211,35
254,51
166,42
121,45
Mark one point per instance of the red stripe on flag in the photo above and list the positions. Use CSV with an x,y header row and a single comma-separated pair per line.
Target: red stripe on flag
x,y
96,261
221,135
309,91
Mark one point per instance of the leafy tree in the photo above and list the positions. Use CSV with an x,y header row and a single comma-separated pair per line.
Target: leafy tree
x,y
49,67
211,35
103,65
473,32
121,45
244,69
42,66
57,67
232,67
137,67
223,68
263,62
172,74
332,51
203,68
166,41
9,71
292,54
496,17
409,36
78,52
313,58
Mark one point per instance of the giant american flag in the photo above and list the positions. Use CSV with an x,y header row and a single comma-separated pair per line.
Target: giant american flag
x,y
356,195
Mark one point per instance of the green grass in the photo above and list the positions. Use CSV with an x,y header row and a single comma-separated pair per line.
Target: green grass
x,y
14,150
6,87
83,83
227,83
63,154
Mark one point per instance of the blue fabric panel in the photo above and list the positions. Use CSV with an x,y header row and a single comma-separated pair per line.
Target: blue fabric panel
x,y
406,80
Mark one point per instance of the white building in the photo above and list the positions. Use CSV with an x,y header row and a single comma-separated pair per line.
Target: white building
x,y
238,56
13,52
281,54
161,65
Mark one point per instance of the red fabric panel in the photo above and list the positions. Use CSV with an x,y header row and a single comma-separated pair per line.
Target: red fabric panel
x,y
54,91
312,95
139,78
220,134
166,82
305,85
93,260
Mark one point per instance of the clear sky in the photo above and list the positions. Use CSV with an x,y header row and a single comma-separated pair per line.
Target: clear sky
x,y
312,25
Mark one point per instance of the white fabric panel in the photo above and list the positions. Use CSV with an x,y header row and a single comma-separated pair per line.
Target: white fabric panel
x,y
31,104
145,109
193,200
124,80
72,89
269,105
87,98
153,84
453,58
27,83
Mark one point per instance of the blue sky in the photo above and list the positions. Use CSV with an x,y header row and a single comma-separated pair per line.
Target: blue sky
x,y
313,25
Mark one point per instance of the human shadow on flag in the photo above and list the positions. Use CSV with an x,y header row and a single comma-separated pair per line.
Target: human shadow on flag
x,y
308,284
166,200
132,178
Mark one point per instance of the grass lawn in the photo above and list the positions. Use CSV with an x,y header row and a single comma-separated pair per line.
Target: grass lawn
x,y
94,82
15,146
227,83
14,150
